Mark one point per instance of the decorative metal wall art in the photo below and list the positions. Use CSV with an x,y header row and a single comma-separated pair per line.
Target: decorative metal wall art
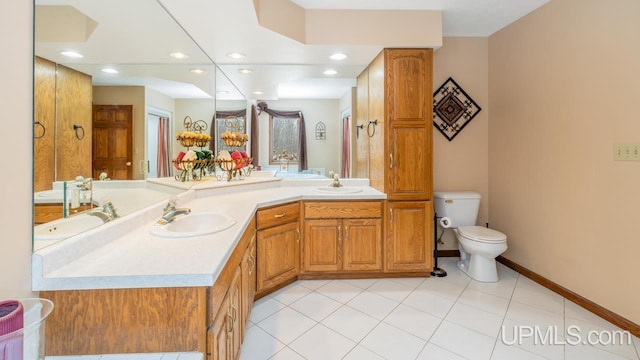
x,y
321,131
453,109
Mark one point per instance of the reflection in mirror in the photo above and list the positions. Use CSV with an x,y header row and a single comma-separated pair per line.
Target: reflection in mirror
x,y
283,141
123,79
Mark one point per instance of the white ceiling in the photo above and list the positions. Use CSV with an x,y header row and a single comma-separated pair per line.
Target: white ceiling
x,y
283,68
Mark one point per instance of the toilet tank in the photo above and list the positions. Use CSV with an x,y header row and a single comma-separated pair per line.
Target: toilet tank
x,y
459,206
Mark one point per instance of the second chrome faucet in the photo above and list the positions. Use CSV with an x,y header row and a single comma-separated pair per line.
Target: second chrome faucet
x,y
170,211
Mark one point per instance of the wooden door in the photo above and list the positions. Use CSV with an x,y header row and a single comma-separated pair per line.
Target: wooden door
x,y
362,244
409,85
409,176
409,240
278,255
113,141
322,245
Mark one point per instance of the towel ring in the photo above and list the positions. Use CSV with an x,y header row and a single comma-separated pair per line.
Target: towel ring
x,y
44,130
374,123
79,134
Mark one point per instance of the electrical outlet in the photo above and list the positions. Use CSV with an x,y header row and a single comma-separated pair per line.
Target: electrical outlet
x,y
626,152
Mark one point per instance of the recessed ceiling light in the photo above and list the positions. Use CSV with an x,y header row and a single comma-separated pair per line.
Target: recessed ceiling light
x,y
258,93
178,55
222,92
110,71
245,71
330,72
198,71
71,53
338,56
236,55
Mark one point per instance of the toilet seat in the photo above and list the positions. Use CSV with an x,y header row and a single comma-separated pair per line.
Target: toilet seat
x,y
482,234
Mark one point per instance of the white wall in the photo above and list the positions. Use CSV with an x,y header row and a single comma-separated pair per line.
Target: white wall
x,y
320,153
16,92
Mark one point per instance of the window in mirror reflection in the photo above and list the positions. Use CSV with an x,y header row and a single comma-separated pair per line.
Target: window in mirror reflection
x,y
230,123
283,139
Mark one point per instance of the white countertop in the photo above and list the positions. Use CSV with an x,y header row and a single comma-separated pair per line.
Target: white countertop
x,y
123,253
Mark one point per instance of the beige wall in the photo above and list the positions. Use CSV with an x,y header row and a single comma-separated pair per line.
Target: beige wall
x,y
127,95
563,89
462,164
16,93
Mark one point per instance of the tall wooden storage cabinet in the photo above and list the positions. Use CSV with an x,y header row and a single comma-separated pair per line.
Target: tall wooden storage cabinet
x,y
396,147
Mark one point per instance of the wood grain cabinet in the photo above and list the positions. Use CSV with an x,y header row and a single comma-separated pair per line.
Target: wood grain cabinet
x,y
248,281
342,237
278,246
226,332
394,96
409,223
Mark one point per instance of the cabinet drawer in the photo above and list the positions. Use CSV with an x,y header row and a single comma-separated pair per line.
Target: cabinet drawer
x,y
342,209
278,215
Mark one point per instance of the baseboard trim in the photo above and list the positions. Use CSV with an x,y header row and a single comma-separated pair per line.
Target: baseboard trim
x,y
602,312
448,253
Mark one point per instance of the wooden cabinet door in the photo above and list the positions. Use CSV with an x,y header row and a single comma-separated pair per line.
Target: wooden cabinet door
x,y
219,333
362,244
408,84
248,278
409,176
278,255
409,240
235,309
322,245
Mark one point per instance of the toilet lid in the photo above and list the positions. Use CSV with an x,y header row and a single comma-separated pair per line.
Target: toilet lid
x,y
482,234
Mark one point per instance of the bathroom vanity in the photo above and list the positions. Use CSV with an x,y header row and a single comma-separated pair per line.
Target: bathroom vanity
x,y
120,289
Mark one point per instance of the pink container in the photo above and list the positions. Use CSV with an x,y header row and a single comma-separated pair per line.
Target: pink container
x,y
11,321
22,328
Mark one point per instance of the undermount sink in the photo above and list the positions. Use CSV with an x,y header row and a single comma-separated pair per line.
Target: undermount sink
x,y
339,190
64,228
193,225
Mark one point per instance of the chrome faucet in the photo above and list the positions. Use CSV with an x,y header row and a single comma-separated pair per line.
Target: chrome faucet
x,y
335,178
107,213
170,211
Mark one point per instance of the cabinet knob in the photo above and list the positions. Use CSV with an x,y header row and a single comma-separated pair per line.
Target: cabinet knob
x,y
390,161
278,216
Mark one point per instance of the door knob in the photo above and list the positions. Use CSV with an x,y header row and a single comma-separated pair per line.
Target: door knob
x,y
128,163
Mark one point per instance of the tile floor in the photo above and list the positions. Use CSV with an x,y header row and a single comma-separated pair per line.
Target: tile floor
x,y
415,318
450,318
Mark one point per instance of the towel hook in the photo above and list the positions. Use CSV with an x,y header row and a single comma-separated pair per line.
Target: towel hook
x,y
358,128
44,130
79,134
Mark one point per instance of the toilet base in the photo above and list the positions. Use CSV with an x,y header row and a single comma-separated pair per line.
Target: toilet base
x,y
479,268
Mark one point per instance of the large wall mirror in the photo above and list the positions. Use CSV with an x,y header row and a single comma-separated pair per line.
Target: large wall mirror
x,y
97,113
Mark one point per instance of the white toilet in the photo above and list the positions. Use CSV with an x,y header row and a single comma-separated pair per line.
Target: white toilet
x,y
479,246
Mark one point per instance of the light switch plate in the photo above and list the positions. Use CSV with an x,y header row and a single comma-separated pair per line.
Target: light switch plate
x,y
626,151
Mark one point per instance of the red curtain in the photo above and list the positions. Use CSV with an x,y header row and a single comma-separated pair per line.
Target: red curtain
x,y
346,147
163,148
